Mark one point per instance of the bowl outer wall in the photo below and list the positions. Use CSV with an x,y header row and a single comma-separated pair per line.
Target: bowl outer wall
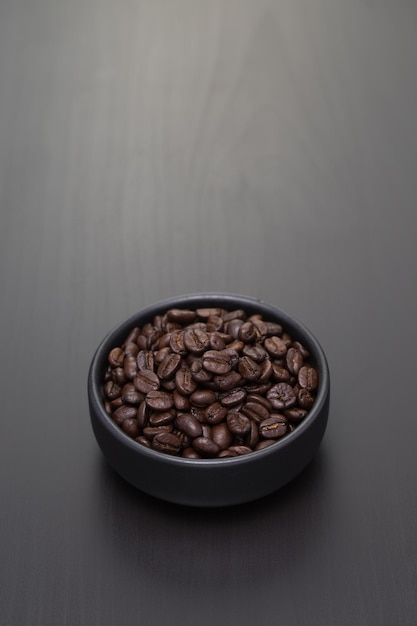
x,y
214,482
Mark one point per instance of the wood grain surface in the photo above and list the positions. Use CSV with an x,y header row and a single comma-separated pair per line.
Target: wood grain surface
x,y
155,148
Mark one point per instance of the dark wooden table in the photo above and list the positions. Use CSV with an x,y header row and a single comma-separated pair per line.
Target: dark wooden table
x,y
154,148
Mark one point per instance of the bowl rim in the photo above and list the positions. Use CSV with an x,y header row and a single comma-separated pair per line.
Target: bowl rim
x,y
149,311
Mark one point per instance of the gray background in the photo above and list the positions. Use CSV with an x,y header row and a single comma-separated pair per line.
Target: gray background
x,y
154,148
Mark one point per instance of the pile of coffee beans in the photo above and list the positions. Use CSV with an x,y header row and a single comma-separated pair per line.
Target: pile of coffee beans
x,y
209,383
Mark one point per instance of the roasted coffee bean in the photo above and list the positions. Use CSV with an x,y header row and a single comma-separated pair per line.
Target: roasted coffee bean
x,y
221,435
124,412
205,446
214,323
256,352
207,430
217,361
307,378
160,354
176,342
264,443
237,423
199,373
145,360
143,441
305,399
112,390
255,397
189,425
266,371
216,341
240,449
190,453
205,313
130,395
301,348
247,332
181,402
130,367
202,397
185,382
255,410
280,373
181,316
116,357
169,366
294,360
272,328
252,437
249,369
274,427
116,403
238,314
143,414
132,336
162,418
159,400
196,341
227,454
232,327
282,396
295,414
232,398
215,413
131,427
167,443
150,431
131,349
146,381
275,346
227,382
169,385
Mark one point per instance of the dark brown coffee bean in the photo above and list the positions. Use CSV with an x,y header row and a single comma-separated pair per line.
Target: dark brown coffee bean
x,y
124,412
254,397
169,366
150,431
185,382
176,342
255,352
215,413
146,381
281,396
167,443
252,437
261,327
116,357
206,312
199,373
145,360
205,446
258,387
189,425
247,332
249,369
301,348
272,328
160,354
217,361
207,430
240,449
132,336
227,454
131,427
221,435
255,410
190,453
295,414
196,340
162,418
130,395
237,314
216,341
304,399
119,377
181,316
308,378
130,367
143,441
227,382
112,390
266,371
233,397
181,402
143,414
169,385
265,443
273,427
116,403
275,346
159,400
131,349
214,323
237,423
202,397
280,373
232,327
294,361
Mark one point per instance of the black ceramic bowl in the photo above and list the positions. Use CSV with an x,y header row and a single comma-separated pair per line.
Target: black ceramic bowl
x,y
209,482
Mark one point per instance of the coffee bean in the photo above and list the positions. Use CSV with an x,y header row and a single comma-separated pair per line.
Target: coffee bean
x,y
232,398
217,361
255,410
304,399
159,400
146,381
294,360
162,418
190,453
221,435
116,357
185,382
275,346
189,425
199,373
131,349
307,378
273,427
176,342
248,368
240,449
181,402
247,332
281,396
169,366
130,395
167,443
205,446
216,341
227,382
118,376
150,431
181,316
145,360
256,352
196,341
130,367
215,413
202,397
124,412
237,423
112,390
131,427
295,414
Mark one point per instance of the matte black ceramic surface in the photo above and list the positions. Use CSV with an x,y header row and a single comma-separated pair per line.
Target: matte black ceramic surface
x,y
209,482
